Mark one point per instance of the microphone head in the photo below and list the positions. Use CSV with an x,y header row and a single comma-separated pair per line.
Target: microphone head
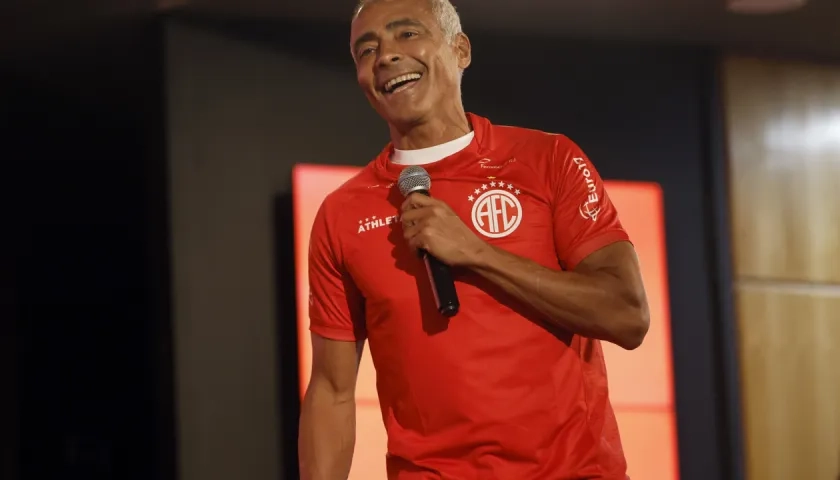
x,y
413,179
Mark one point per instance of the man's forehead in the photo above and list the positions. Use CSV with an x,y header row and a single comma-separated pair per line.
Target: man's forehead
x,y
396,6
384,14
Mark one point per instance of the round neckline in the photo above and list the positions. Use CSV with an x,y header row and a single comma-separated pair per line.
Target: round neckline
x,y
480,127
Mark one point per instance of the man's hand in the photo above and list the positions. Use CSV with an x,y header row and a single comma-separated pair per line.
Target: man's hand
x,y
430,224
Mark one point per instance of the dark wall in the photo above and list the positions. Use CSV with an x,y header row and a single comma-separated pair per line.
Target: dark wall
x,y
9,368
84,144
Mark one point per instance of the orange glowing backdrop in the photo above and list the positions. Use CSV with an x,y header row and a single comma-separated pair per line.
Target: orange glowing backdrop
x,y
641,385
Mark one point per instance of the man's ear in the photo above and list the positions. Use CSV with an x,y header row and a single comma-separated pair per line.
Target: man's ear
x,y
463,49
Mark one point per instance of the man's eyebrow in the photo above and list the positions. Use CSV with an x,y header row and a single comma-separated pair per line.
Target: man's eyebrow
x,y
371,36
364,38
404,22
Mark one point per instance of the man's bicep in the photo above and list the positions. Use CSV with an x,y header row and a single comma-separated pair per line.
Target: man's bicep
x,y
335,365
618,260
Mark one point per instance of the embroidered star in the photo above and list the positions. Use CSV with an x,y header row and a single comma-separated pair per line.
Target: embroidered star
x,y
484,187
471,198
492,184
517,191
477,191
501,184
374,217
367,220
509,187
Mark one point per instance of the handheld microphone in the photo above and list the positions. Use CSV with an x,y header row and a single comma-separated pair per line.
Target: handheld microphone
x,y
415,179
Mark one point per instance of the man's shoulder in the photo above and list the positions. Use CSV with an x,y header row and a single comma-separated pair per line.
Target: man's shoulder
x,y
345,207
359,183
539,144
516,134
536,148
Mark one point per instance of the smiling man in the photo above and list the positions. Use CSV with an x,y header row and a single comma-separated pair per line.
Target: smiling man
x,y
514,386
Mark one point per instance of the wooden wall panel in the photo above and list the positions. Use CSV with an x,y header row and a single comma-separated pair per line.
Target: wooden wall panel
x,y
783,131
784,144
790,364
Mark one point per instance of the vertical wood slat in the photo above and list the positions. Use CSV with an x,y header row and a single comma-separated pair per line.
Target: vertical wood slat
x,y
790,365
783,124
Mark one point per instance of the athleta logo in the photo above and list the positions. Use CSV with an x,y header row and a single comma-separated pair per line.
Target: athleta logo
x,y
496,211
590,208
375,222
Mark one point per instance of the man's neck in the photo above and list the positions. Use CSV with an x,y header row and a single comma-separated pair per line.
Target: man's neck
x,y
433,132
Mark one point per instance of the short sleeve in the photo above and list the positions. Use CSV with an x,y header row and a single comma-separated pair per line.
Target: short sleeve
x,y
585,220
336,307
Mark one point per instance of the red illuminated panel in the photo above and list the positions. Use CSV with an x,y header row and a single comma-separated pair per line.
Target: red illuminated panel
x,y
641,384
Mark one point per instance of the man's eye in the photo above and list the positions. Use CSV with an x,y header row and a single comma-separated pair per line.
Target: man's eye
x,y
366,51
409,34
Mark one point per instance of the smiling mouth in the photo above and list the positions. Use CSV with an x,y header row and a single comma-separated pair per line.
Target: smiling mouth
x,y
402,81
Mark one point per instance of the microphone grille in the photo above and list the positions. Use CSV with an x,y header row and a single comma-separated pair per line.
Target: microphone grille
x,y
414,178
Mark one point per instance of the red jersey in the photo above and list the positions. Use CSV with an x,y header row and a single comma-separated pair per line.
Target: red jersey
x,y
494,392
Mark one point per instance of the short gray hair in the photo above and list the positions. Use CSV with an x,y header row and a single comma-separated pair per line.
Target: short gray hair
x,y
447,16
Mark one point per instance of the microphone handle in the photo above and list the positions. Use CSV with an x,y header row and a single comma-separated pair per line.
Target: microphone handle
x,y
440,277
443,286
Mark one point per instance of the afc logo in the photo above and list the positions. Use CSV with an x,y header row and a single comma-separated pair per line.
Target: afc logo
x,y
496,210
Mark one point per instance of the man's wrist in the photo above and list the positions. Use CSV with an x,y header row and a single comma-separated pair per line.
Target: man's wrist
x,y
482,256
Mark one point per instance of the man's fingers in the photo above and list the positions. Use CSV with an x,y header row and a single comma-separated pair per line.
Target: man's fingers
x,y
420,199
416,200
419,241
413,215
411,229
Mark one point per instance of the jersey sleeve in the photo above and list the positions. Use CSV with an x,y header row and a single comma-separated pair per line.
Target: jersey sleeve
x,y
585,220
336,306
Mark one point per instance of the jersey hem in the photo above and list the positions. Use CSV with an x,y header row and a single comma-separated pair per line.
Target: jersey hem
x,y
331,333
593,244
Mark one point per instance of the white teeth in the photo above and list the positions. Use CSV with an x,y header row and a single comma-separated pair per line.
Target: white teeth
x,y
401,78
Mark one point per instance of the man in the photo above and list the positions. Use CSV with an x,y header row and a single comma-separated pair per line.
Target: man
x,y
514,387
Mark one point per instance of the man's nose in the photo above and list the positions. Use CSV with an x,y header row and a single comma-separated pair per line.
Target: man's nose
x,y
389,55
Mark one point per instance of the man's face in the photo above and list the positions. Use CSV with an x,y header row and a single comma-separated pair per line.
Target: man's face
x,y
404,64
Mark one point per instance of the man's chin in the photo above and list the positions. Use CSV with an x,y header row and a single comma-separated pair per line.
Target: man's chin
x,y
403,118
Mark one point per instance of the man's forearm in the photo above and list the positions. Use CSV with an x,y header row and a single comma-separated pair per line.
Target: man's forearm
x,y
327,436
595,305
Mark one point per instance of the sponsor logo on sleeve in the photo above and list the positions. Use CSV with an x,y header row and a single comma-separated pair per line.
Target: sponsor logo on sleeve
x,y
591,207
